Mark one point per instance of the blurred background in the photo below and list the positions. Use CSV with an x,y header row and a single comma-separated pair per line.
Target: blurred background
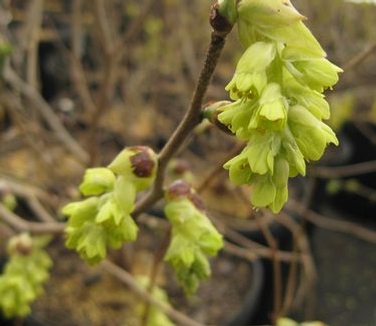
x,y
82,79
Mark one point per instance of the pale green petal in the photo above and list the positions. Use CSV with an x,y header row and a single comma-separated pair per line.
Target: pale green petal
x,y
298,37
121,163
256,58
279,200
312,135
318,74
273,108
281,172
97,181
263,192
268,13
125,231
239,170
260,151
124,194
81,211
313,100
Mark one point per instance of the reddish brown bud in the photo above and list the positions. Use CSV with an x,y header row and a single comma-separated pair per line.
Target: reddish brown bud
x,y
21,244
142,162
178,188
221,25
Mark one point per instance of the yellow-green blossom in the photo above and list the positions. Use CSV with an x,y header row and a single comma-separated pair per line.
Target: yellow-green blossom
x,y
278,102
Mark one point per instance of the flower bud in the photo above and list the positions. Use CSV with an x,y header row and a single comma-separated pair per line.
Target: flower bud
x,y
21,244
211,112
223,16
228,9
237,115
178,189
138,164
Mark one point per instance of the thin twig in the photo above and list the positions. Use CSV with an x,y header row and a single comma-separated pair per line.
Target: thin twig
x,y
46,112
257,249
23,190
39,211
127,278
219,167
110,73
136,24
77,70
333,225
33,27
342,171
104,26
157,263
302,246
191,119
277,273
21,225
359,57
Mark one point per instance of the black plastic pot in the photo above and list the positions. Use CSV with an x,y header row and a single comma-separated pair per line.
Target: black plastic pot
x,y
252,300
284,238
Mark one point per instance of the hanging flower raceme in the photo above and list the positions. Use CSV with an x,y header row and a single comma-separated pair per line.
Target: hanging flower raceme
x,y
24,274
104,218
193,236
278,105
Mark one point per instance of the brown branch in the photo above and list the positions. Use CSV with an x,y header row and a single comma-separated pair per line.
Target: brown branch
x,y
301,244
110,72
104,26
136,24
359,57
249,249
156,267
191,119
219,167
333,225
77,70
276,266
21,225
33,28
46,112
342,171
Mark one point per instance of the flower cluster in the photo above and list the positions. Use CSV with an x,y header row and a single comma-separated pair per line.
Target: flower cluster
x,y
193,236
104,218
24,274
278,105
